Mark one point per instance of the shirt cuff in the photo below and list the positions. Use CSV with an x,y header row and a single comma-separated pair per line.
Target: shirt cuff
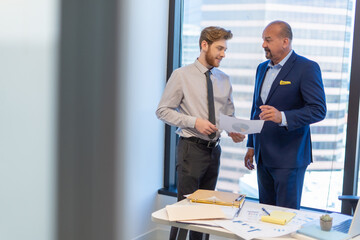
x,y
191,122
283,120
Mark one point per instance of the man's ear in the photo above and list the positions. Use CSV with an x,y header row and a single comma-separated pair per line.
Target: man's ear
x,y
286,43
204,45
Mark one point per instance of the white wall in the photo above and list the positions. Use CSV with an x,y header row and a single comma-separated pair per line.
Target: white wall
x,y
28,41
28,46
143,53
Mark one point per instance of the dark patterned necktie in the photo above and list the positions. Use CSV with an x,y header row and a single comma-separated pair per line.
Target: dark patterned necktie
x,y
210,101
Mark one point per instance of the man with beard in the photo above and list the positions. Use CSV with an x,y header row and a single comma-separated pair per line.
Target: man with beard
x,y
289,96
193,99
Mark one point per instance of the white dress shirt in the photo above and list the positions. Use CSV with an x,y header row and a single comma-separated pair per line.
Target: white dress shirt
x,y
270,76
185,99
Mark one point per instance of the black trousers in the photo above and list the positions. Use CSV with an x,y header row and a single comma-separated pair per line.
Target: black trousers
x,y
197,167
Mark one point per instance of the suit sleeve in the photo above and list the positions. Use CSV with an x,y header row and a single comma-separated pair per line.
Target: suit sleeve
x,y
250,142
312,91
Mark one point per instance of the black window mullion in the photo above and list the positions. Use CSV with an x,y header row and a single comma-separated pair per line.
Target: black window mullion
x,y
173,62
351,167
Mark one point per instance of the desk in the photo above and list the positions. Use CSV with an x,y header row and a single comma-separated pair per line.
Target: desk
x,y
161,217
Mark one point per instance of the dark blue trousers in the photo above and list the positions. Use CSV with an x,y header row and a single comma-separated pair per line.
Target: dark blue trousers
x,y
280,186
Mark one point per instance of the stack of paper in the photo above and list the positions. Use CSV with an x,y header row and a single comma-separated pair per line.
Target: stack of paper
x,y
194,212
217,197
278,217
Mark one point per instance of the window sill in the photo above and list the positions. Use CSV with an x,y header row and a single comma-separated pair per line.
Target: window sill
x,y
168,192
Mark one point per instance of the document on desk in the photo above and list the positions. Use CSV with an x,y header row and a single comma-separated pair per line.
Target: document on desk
x,y
227,210
249,225
233,124
194,212
249,231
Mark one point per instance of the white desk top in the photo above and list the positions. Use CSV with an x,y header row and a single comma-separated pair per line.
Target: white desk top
x,y
161,217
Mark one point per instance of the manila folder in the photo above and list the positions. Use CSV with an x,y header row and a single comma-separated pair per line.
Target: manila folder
x,y
215,197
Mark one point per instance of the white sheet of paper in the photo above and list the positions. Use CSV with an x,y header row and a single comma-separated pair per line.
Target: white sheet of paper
x,y
249,226
194,212
233,124
227,210
248,230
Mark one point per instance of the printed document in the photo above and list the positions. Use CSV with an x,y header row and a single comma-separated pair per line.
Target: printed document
x,y
249,225
233,124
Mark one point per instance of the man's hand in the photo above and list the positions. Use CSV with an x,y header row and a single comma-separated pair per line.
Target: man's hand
x,y
249,159
204,126
236,137
269,113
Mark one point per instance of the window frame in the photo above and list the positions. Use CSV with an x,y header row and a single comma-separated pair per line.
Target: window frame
x,y
351,162
173,62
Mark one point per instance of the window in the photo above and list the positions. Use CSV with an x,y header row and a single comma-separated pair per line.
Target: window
x,y
323,32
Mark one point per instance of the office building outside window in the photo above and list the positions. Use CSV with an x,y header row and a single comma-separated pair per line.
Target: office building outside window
x,y
322,32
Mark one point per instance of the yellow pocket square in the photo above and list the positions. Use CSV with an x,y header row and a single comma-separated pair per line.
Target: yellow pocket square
x,y
284,82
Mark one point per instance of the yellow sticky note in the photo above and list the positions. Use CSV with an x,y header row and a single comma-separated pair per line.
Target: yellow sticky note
x,y
278,217
284,82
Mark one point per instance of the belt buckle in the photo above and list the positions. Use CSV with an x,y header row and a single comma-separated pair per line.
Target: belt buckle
x,y
211,144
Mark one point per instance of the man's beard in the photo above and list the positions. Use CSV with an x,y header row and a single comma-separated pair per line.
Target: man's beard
x,y
268,53
211,60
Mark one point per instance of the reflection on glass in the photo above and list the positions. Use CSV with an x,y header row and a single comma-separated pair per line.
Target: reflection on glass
x,y
322,32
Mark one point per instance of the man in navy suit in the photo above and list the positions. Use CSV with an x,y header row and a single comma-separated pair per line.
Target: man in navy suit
x,y
289,96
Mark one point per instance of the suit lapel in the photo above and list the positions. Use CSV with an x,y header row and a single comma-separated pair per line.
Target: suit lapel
x,y
282,74
260,81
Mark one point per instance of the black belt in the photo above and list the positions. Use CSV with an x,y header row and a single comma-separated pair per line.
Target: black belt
x,y
209,144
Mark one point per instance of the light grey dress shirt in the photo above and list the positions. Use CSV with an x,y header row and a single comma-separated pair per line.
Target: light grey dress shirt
x,y
185,99
270,76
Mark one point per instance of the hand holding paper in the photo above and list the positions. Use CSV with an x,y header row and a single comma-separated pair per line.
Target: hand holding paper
x,y
236,137
233,124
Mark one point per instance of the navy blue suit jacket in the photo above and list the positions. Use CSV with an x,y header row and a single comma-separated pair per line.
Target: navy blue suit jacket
x,y
298,91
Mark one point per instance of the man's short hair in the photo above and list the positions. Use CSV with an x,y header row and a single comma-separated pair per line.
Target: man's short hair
x,y
286,31
212,34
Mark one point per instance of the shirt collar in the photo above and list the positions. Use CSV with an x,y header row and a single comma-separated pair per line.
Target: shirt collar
x,y
282,63
201,67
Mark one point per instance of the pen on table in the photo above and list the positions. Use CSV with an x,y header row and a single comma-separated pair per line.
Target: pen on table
x,y
237,212
240,207
240,197
265,211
